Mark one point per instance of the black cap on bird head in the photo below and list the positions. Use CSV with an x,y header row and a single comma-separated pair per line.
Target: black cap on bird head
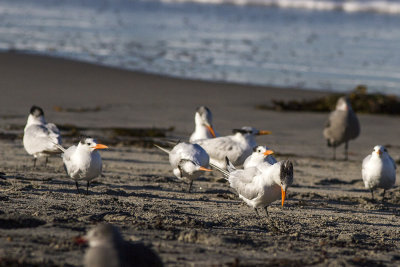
x,y
286,173
36,111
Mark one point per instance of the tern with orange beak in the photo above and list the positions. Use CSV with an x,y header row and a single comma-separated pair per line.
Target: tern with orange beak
x,y
260,154
236,147
188,161
379,170
260,186
203,122
83,162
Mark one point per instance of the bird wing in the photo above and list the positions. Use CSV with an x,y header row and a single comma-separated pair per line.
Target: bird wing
x,y
39,138
243,182
336,126
364,164
221,147
393,162
68,165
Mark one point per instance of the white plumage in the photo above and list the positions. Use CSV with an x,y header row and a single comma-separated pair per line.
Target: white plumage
x,y
40,138
203,125
379,170
236,147
260,186
188,161
83,162
260,154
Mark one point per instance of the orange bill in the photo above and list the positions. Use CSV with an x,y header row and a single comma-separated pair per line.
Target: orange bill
x,y
205,169
100,146
283,195
211,130
268,152
379,152
263,132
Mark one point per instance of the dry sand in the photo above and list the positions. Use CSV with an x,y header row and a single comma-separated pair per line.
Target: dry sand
x,y
328,218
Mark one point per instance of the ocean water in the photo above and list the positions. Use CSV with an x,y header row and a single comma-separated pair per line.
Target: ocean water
x,y
315,44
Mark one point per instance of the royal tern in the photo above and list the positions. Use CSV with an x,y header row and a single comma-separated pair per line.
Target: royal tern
x,y
107,248
83,162
259,186
260,154
342,126
188,161
203,122
379,170
236,147
40,138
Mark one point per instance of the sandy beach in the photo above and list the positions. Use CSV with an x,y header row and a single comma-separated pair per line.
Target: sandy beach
x,y
328,218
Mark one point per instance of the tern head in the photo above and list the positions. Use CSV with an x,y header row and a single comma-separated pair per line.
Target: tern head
x,y
189,167
203,117
286,177
36,115
380,151
102,234
90,144
246,130
263,151
343,103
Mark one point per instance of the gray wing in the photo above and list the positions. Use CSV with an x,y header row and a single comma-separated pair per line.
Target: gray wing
x,y
243,182
393,162
68,166
335,128
221,147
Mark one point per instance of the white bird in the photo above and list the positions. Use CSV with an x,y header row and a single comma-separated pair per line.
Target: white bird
x,y
203,125
83,162
107,248
379,170
236,147
260,186
342,126
188,161
40,138
260,154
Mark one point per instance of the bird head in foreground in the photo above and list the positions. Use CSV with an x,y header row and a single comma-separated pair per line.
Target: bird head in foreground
x,y
246,130
263,151
103,234
36,111
380,151
36,115
204,117
90,144
286,175
189,167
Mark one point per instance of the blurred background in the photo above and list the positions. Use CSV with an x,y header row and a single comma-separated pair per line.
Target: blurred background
x,y
330,45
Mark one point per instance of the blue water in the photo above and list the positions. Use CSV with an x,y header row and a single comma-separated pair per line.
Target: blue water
x,y
309,46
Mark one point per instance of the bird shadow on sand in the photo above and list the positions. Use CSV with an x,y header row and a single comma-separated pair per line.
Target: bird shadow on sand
x,y
128,161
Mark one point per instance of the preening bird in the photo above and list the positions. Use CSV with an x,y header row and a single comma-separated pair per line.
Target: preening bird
x,y
203,125
260,186
260,154
236,147
188,161
342,126
40,138
83,162
379,170
107,248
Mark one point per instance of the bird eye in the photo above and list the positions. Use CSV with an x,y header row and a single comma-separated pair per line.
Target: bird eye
x,y
88,144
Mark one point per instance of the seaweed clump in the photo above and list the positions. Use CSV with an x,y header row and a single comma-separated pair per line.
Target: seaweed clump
x,y
361,101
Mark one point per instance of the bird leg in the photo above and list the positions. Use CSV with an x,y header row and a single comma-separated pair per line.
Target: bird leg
x,y
34,163
372,194
346,150
47,160
266,211
334,152
77,186
190,186
383,197
87,188
256,212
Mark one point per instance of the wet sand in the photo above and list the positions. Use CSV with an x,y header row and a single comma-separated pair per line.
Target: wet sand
x,y
328,218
